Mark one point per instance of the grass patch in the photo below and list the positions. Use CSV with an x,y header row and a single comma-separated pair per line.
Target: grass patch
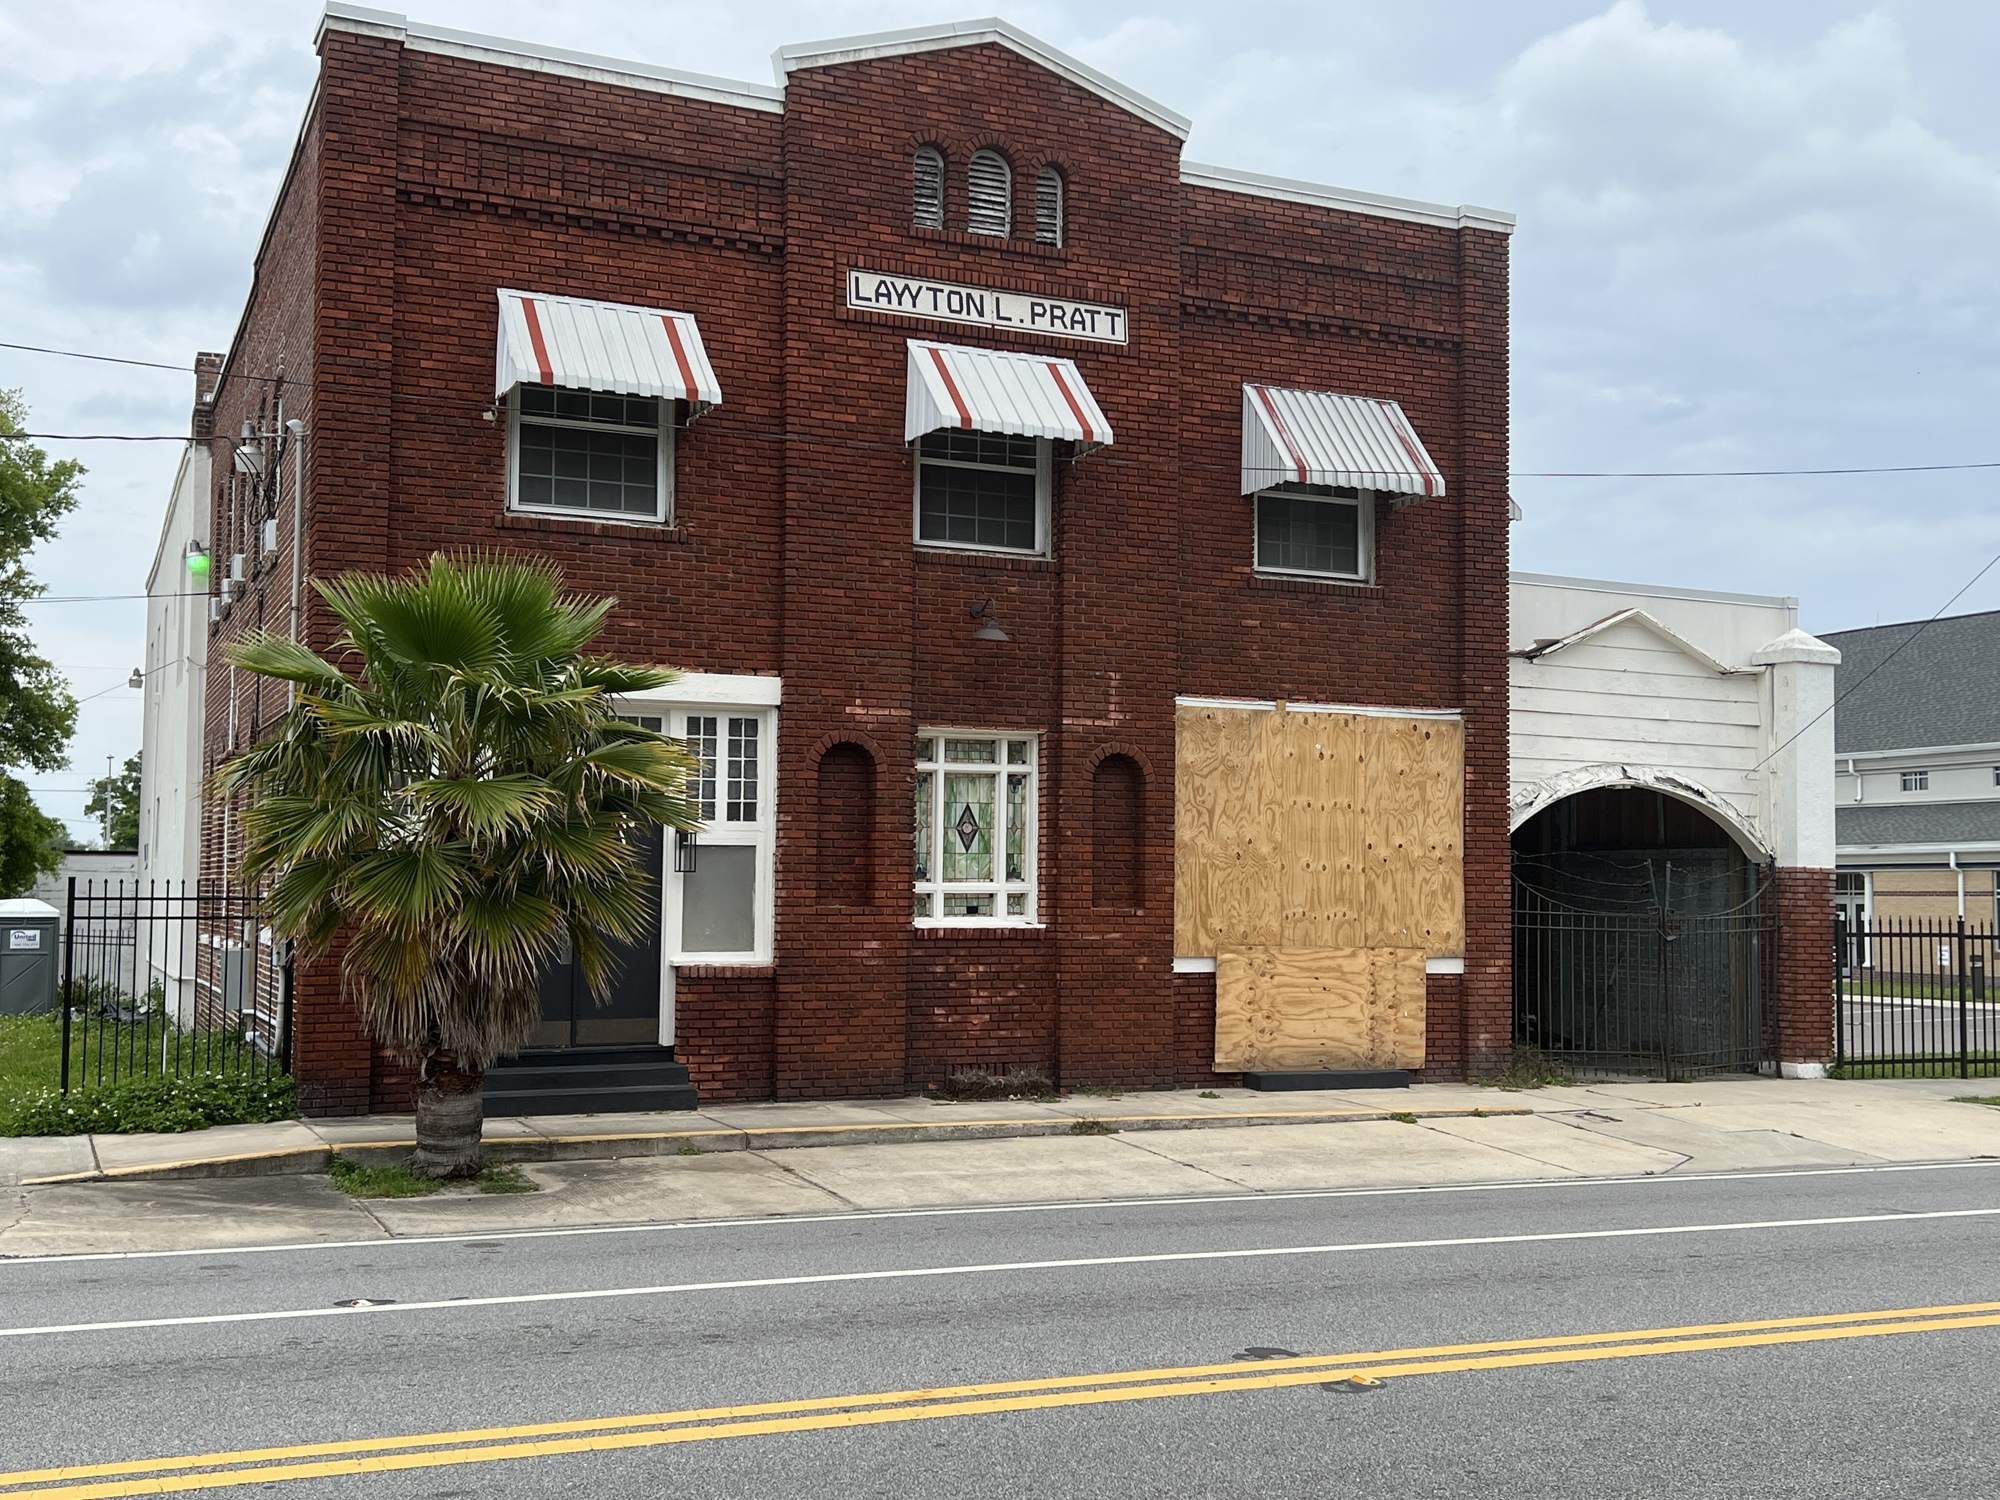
x,y
397,1180
1092,1127
1990,1099
1208,1094
1402,1117
193,1101
1527,1068
1937,1067
970,1084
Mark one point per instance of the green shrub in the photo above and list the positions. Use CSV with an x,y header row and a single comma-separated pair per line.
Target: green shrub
x,y
193,1101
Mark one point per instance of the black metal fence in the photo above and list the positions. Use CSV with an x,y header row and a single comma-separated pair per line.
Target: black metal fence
x,y
1649,991
1916,1000
170,979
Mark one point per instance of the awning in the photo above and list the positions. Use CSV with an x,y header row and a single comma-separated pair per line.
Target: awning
x,y
602,346
995,390
1316,437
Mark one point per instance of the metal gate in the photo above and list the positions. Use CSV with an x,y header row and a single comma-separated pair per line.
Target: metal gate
x,y
170,979
1915,1000
1644,990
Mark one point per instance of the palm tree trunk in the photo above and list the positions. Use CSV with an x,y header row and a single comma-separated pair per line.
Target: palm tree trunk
x,y
451,1109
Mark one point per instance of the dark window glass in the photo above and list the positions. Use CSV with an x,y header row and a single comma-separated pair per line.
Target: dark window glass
x,y
979,448
979,507
1301,532
589,406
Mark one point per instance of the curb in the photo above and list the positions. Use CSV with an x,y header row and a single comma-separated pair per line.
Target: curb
x,y
308,1160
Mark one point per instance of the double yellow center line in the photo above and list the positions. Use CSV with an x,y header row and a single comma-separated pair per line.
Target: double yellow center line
x,y
205,1471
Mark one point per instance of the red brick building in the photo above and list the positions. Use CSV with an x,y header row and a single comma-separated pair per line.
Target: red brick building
x,y
959,441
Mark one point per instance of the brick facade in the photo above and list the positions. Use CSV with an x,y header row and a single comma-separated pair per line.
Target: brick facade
x,y
424,181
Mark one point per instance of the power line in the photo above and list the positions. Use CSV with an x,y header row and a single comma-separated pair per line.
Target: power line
x,y
109,359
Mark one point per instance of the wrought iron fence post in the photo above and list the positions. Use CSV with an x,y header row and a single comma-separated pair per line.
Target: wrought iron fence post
x,y
69,950
1958,964
1842,956
285,1012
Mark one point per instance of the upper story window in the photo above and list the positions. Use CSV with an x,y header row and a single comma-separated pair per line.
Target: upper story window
x,y
1916,781
983,490
1049,205
989,188
585,452
1320,530
927,190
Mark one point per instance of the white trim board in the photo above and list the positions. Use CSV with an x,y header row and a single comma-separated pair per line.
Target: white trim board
x,y
1348,200
1371,710
1207,966
340,16
989,29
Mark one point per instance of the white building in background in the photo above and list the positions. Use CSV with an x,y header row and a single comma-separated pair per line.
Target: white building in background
x,y
1717,700
171,742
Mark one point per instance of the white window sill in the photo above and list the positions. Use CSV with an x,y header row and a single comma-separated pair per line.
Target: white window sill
x,y
1346,580
971,549
600,517
981,924
721,961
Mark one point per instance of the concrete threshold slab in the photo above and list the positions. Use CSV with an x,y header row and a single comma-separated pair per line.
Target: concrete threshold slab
x,y
300,1147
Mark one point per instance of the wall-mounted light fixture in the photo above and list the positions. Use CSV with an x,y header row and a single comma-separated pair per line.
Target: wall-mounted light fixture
x,y
990,630
684,852
197,559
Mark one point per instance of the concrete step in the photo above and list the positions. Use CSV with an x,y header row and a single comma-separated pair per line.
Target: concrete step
x,y
594,1100
589,1080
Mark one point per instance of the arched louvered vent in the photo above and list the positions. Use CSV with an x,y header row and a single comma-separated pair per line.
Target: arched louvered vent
x,y
1049,206
989,183
927,194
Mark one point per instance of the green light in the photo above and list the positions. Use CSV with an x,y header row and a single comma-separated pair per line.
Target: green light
x,y
197,563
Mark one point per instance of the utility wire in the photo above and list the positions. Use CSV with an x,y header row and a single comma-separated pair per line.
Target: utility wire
x,y
109,359
1856,687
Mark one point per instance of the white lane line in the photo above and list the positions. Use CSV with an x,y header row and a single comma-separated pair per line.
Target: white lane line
x,y
1081,1205
990,1269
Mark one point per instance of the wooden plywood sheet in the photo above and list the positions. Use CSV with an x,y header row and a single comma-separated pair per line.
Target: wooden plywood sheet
x,y
1292,1009
1318,830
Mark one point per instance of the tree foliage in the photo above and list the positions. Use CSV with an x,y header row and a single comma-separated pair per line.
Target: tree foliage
x,y
37,711
119,795
462,804
31,842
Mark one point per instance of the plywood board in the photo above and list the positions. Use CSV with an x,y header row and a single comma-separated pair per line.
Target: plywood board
x,y
1293,1009
1317,830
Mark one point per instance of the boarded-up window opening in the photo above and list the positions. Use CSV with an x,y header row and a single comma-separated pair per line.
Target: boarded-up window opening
x,y
1049,206
927,195
989,184
846,826
1117,792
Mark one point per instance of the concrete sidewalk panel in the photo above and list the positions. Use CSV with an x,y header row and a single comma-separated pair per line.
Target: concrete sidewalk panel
x,y
1566,1147
283,1146
27,1157
1711,1148
1911,1130
1046,1169
98,1217
733,1185
1388,1153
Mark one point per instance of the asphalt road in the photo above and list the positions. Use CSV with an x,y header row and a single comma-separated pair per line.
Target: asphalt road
x,y
121,1365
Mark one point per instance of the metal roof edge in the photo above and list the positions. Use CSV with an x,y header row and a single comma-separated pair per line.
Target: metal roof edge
x,y
535,57
1652,590
1978,747
1350,200
914,39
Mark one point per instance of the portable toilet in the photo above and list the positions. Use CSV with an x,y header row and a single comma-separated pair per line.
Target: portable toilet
x,y
29,938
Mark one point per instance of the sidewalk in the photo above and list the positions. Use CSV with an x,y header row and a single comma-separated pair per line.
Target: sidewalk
x,y
132,1192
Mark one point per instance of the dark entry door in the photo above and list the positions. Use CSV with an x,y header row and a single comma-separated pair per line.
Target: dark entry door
x,y
630,1014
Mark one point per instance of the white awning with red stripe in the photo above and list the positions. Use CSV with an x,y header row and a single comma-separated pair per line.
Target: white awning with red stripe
x,y
1317,437
998,390
602,346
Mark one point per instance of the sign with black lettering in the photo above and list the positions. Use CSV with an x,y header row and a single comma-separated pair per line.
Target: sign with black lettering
x,y
1058,317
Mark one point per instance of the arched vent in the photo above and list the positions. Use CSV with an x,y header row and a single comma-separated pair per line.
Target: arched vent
x,y
1117,815
927,192
1049,205
989,183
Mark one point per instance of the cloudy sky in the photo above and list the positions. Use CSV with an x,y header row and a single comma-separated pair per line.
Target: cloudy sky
x,y
1755,234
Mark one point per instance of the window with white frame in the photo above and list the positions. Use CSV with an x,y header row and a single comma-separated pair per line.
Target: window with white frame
x,y
975,828
1319,530
1916,781
986,491
723,874
590,453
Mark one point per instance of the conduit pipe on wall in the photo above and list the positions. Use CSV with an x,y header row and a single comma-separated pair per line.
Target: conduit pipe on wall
x,y
298,432
1952,858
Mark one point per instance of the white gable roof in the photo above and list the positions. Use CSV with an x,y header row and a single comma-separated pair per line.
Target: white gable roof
x,y
1644,621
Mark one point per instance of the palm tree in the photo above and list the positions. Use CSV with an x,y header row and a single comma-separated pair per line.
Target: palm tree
x,y
454,811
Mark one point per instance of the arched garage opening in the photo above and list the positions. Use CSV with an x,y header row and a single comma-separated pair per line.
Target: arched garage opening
x,y
1642,937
